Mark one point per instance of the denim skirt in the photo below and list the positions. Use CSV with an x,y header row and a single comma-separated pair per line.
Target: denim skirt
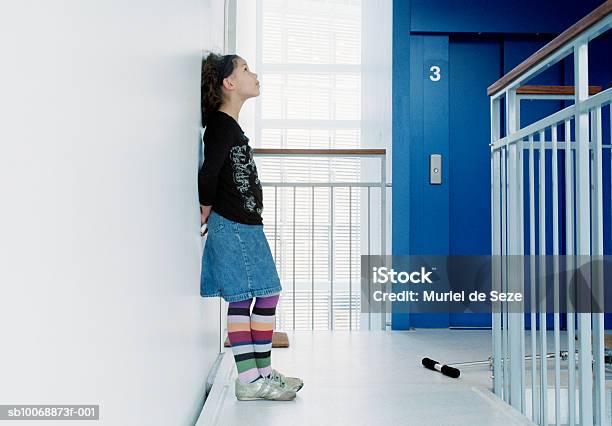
x,y
237,263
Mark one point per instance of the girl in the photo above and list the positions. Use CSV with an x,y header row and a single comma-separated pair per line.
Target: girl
x,y
237,263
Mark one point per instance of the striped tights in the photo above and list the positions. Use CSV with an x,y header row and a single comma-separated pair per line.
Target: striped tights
x,y
250,335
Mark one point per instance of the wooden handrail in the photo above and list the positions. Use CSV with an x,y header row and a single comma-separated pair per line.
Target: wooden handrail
x,y
275,151
585,23
553,90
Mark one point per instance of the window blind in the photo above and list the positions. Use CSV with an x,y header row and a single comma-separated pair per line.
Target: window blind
x,y
309,64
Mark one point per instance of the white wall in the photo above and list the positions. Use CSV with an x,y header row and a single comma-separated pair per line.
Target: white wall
x,y
99,220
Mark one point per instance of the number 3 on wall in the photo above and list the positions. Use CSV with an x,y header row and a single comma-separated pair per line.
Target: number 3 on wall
x,y
435,73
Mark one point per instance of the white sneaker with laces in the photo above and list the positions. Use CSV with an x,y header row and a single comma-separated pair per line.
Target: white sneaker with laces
x,y
264,388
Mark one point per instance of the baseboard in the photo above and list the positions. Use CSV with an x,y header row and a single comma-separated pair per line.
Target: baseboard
x,y
222,388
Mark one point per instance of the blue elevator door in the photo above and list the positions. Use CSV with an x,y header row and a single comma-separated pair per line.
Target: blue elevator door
x,y
475,63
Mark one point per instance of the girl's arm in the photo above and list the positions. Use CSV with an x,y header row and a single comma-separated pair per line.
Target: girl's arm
x,y
204,213
217,144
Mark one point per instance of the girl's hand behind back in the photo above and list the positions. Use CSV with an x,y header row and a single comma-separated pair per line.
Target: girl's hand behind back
x,y
204,213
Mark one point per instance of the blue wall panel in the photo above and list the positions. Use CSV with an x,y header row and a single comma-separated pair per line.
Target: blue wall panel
x,y
470,206
429,134
401,136
486,16
474,62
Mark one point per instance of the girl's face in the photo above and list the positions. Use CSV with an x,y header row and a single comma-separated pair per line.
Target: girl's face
x,y
243,81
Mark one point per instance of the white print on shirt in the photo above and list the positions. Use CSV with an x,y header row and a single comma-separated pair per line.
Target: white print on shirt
x,y
243,166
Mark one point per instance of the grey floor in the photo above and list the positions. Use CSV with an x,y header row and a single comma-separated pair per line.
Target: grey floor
x,y
370,378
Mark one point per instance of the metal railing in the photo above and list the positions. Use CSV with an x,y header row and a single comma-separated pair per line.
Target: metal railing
x,y
321,290
573,134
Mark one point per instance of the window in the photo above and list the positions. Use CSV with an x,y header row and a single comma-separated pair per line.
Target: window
x,y
307,55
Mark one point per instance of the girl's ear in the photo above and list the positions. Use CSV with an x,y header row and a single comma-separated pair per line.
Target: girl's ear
x,y
228,83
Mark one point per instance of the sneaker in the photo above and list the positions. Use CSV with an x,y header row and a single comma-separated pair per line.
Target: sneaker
x,y
264,388
294,383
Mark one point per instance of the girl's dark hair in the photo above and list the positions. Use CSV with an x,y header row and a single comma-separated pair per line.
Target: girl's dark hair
x,y
215,68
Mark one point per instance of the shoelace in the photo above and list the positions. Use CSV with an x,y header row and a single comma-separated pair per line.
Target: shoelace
x,y
275,376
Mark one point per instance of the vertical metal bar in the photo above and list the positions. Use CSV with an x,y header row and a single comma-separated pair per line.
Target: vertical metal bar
x,y
331,252
514,318
496,249
383,228
293,257
312,228
369,254
569,251
521,252
597,251
221,328
592,248
533,331
555,248
583,225
504,252
496,252
350,241
543,283
275,221
521,263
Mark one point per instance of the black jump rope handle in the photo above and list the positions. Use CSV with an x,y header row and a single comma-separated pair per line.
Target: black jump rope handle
x,y
444,369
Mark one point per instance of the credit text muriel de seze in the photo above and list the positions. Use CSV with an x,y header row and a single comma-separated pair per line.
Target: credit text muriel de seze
x,y
382,275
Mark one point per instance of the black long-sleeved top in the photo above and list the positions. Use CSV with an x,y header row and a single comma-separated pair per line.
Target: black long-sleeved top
x,y
228,178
